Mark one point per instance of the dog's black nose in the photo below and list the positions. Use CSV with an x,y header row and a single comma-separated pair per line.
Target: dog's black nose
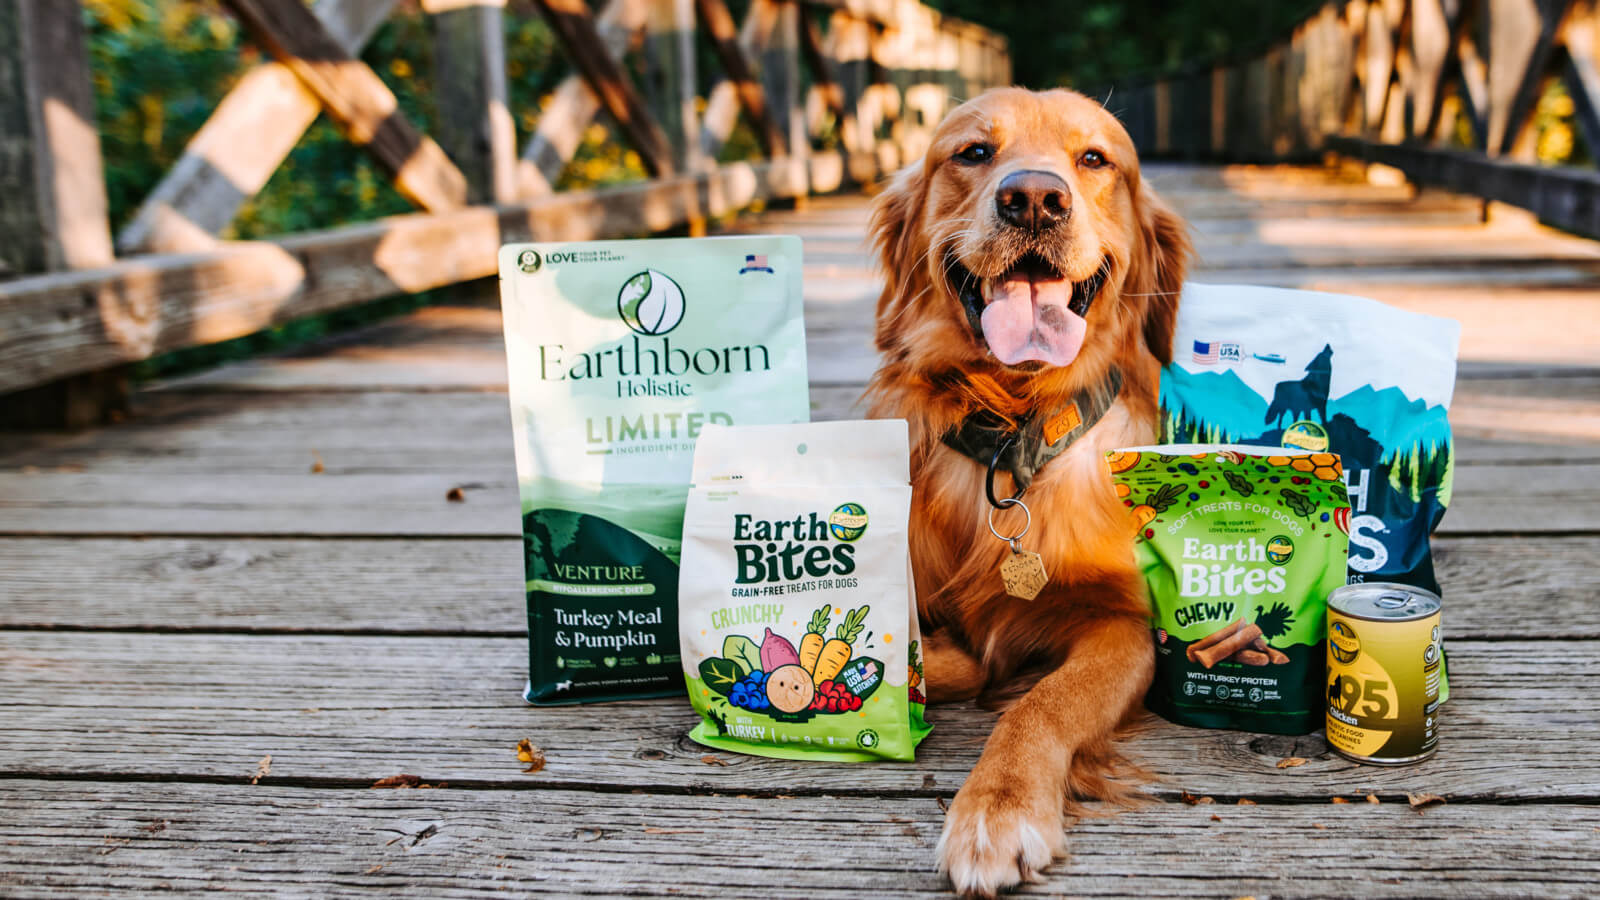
x,y
1033,200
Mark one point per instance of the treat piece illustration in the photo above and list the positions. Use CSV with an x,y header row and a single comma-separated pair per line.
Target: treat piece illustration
x,y
789,688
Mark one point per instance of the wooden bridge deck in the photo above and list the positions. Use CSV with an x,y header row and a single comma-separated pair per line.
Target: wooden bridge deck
x,y
209,652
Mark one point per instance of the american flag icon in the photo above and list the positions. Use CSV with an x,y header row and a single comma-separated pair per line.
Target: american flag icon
x,y
756,262
1205,353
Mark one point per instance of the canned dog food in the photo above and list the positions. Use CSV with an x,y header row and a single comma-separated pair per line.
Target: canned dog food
x,y
1383,672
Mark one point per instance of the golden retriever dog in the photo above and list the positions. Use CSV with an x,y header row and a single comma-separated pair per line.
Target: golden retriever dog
x,y
1032,287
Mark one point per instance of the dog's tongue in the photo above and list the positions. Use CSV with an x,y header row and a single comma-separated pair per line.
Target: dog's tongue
x,y
1029,320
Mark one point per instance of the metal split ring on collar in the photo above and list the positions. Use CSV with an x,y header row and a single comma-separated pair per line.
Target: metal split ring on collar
x,y
1027,523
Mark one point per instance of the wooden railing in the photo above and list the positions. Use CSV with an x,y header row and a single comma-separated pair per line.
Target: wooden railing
x,y
877,73
1397,82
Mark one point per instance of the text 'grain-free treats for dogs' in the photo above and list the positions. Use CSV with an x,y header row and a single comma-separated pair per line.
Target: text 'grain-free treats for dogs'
x,y
620,353
1240,547
797,612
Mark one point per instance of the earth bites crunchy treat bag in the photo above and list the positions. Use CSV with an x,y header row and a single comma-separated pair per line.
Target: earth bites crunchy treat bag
x,y
1240,547
620,353
796,610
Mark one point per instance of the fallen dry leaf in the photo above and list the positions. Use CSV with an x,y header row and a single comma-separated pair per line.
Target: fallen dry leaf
x,y
533,756
373,869
456,495
943,806
263,769
710,760
1373,799
397,781
316,463
1216,818
1291,761
1205,801
1319,826
1188,798
1420,802
1246,801
155,827
1340,800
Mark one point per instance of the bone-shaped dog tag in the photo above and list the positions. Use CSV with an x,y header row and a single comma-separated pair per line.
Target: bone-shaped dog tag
x,y
1024,574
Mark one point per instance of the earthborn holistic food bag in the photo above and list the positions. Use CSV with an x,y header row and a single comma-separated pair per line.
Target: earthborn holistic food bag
x,y
1330,374
620,353
1240,547
796,606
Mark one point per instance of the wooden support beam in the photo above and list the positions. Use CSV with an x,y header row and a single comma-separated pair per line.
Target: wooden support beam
x,y
1580,37
725,41
1521,34
64,323
52,189
470,93
355,96
52,192
575,28
245,140
669,78
573,105
822,70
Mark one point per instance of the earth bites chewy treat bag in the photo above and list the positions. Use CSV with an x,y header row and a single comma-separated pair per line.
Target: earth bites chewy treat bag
x,y
796,606
620,353
1240,547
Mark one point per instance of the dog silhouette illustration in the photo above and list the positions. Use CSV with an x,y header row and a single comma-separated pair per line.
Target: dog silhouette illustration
x,y
1299,399
1334,690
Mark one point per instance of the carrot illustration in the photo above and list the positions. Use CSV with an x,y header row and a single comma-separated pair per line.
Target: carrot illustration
x,y
811,644
836,653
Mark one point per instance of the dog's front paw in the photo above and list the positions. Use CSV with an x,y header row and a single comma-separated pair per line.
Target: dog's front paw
x,y
998,836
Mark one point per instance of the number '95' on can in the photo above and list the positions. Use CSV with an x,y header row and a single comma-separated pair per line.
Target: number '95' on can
x,y
1384,668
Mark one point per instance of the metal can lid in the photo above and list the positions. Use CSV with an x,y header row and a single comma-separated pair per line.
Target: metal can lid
x,y
1382,601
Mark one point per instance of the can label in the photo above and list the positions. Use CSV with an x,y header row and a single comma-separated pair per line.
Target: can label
x,y
1383,687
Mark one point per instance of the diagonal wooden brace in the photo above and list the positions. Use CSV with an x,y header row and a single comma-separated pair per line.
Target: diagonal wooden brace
x,y
574,26
355,96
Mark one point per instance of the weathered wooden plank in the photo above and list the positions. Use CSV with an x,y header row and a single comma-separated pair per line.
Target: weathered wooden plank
x,y
574,25
1489,498
353,431
342,710
741,76
66,838
54,214
355,96
471,96
475,586
219,170
64,323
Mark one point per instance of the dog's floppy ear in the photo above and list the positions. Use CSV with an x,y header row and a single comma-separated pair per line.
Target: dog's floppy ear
x,y
1159,268
895,231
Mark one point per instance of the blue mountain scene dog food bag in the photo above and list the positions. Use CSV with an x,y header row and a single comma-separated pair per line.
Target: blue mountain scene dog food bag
x,y
1327,373
620,353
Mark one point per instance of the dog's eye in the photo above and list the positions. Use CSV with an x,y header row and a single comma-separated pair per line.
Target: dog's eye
x,y
977,154
1092,159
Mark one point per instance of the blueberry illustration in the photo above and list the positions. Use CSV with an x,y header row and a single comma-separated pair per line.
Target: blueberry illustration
x,y
1193,496
1324,517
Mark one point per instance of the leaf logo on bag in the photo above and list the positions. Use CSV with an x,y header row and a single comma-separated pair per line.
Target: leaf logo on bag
x,y
650,303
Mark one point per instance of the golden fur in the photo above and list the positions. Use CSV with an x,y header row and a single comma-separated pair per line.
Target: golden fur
x,y
1078,658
